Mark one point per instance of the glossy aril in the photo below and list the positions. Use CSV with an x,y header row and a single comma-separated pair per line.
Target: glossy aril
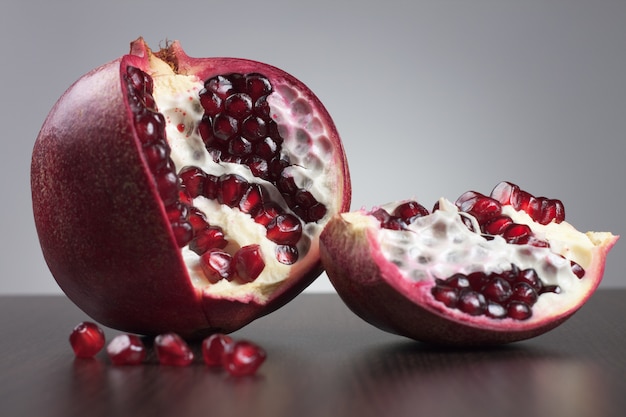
x,y
152,161
485,269
126,349
244,358
172,350
215,348
87,339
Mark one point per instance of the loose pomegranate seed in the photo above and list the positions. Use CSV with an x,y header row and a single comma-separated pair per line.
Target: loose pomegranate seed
x,y
249,263
126,349
87,339
172,350
244,359
217,265
215,347
284,229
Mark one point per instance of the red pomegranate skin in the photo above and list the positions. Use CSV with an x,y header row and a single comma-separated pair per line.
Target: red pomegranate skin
x,y
373,288
101,224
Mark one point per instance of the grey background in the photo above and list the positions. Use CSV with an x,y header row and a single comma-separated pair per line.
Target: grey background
x,y
431,97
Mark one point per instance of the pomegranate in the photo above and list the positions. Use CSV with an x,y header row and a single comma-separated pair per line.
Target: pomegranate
x,y
486,269
187,195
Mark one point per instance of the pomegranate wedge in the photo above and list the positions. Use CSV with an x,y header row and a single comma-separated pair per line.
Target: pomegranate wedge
x,y
187,195
487,269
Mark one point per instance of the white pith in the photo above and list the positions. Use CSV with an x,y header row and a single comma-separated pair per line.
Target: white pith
x,y
177,99
440,245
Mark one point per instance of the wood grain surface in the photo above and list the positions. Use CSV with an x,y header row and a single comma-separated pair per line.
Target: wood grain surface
x,y
322,361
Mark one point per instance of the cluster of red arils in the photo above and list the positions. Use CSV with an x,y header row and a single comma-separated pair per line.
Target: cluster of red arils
x,y
237,357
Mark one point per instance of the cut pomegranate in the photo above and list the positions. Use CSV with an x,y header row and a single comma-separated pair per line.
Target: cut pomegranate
x,y
244,358
87,339
487,269
126,349
215,348
171,158
172,350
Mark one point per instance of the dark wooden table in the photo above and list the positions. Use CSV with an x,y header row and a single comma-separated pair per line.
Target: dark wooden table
x,y
322,361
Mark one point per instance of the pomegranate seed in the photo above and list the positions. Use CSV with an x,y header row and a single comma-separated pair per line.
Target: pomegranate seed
x,y
210,237
472,303
211,186
172,350
238,105
87,339
211,102
267,148
192,179
215,347
150,127
126,349
409,211
448,296
483,208
517,233
249,262
530,277
511,293
157,155
252,201
167,184
497,225
197,219
257,85
519,310
577,269
284,229
267,213
316,212
497,290
525,293
216,265
552,210
231,189
505,193
183,232
254,128
244,359
286,254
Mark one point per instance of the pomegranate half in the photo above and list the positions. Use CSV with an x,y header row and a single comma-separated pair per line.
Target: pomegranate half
x,y
187,195
484,270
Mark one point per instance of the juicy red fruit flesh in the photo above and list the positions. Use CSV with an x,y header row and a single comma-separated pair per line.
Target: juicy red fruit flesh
x,y
87,339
